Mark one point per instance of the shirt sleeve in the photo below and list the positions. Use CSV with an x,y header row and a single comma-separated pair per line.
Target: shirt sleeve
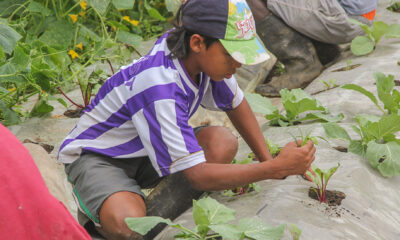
x,y
222,95
167,137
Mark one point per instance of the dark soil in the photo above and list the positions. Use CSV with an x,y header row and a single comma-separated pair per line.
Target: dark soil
x,y
397,82
395,7
347,68
332,198
341,148
73,113
46,147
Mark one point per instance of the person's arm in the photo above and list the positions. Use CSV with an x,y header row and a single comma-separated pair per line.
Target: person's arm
x,y
245,122
292,160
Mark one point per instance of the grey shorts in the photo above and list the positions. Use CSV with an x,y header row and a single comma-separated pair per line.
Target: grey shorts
x,y
95,177
322,20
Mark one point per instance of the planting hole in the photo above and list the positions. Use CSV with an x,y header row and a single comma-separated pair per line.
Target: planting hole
x,y
332,198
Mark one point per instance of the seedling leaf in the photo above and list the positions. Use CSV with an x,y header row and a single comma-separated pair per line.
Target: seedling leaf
x,y
297,101
384,157
333,130
258,230
260,104
143,225
393,31
295,231
214,212
384,87
361,45
227,231
379,29
356,147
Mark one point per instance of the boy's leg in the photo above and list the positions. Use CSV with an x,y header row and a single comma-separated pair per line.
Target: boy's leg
x,y
174,194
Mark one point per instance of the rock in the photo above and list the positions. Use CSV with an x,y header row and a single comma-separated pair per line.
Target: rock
x,y
52,172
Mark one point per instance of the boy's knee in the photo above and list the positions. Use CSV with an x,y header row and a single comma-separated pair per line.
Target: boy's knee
x,y
219,144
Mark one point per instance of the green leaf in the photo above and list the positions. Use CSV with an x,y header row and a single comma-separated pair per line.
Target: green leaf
x,y
385,158
20,60
123,4
328,174
86,32
361,90
361,45
8,37
59,34
259,230
172,5
295,231
322,117
260,104
384,87
129,38
379,29
214,212
227,231
153,12
388,124
356,147
62,102
41,108
99,6
393,31
10,117
35,7
2,55
297,101
333,130
142,225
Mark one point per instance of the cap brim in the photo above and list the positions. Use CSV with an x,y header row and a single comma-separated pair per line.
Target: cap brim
x,y
247,52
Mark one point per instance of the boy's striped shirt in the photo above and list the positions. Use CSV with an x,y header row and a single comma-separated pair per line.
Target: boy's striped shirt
x,y
144,109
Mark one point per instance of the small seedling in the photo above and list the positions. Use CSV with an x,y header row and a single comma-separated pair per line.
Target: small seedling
x,y
244,189
210,215
395,7
329,84
302,139
321,178
280,69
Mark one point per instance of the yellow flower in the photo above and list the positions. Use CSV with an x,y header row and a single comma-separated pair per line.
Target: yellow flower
x,y
82,13
74,17
11,89
83,5
73,54
79,45
133,22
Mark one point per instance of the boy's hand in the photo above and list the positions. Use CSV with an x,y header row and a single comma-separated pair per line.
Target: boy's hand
x,y
293,160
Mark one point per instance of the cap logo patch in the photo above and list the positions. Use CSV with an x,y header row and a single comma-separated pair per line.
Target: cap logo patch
x,y
245,26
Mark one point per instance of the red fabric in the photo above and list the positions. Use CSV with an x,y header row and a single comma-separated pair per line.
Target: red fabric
x,y
27,209
370,16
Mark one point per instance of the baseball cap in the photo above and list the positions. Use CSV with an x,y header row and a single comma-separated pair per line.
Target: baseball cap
x,y
230,21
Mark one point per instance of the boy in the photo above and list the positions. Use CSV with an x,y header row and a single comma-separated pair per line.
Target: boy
x,y
136,129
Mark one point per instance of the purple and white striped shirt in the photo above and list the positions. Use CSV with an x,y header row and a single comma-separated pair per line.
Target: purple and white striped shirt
x,y
144,109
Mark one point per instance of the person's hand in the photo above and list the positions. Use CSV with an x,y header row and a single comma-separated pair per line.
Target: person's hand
x,y
293,160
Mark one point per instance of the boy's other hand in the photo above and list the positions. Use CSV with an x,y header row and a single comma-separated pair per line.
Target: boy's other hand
x,y
294,160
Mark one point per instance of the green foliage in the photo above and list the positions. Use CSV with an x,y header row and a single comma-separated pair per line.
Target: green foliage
x,y
295,102
209,215
389,96
47,45
321,178
377,141
302,138
329,84
362,45
395,7
244,189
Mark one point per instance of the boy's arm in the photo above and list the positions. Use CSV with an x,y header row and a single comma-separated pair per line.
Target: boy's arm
x,y
245,122
292,160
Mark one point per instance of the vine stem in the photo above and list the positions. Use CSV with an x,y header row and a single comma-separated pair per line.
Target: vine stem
x,y
69,99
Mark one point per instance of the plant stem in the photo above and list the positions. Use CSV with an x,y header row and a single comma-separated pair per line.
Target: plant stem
x,y
69,99
213,236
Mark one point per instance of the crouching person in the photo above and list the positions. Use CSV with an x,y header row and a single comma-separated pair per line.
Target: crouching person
x,y
135,133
